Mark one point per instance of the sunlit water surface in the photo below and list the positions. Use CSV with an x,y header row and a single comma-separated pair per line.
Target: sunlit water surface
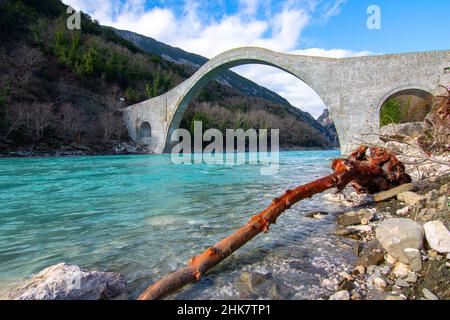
x,y
143,216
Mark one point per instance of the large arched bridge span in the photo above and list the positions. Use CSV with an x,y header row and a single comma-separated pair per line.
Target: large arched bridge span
x,y
353,89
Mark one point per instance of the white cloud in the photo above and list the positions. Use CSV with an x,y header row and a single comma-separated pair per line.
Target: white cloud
x,y
250,7
280,29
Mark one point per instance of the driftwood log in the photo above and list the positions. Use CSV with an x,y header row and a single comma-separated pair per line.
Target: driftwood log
x,y
369,170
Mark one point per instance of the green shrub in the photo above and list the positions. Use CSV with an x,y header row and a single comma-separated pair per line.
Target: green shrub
x,y
207,122
131,95
391,112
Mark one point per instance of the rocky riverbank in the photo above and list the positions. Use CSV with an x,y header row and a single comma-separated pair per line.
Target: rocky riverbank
x,y
400,237
402,247
7,149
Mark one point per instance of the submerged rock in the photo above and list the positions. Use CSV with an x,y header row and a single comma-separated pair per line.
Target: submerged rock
x,y
396,235
255,284
69,282
316,214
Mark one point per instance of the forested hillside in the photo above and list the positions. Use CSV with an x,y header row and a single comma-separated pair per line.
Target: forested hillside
x,y
62,88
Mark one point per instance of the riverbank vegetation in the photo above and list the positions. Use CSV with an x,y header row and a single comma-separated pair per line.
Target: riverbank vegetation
x,y
61,86
407,106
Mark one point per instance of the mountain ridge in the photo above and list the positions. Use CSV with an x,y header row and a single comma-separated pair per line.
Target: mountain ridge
x,y
230,78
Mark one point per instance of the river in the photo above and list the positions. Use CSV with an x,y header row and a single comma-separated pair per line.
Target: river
x,y
143,216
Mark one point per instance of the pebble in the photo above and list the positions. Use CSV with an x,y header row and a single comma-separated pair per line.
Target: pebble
x,y
403,212
341,295
356,296
401,270
401,283
394,298
390,259
328,284
373,269
411,278
379,283
429,295
364,221
346,276
385,270
432,254
360,269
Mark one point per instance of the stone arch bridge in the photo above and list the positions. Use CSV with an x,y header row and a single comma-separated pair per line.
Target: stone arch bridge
x,y
353,89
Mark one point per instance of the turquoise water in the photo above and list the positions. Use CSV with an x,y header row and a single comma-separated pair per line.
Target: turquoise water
x,y
143,216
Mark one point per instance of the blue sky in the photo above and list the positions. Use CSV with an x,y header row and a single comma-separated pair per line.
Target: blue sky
x,y
414,25
332,28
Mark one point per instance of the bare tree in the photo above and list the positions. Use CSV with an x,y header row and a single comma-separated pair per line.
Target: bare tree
x,y
38,118
28,60
115,89
70,120
108,125
14,115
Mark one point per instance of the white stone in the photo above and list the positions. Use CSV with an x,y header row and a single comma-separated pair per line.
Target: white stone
x,y
437,235
397,234
403,212
341,295
68,282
